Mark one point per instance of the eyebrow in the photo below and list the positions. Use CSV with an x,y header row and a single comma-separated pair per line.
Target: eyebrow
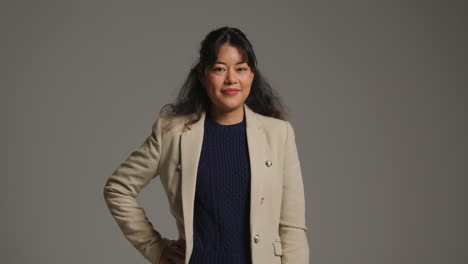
x,y
220,62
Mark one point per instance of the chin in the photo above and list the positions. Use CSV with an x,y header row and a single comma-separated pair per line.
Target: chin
x,y
230,106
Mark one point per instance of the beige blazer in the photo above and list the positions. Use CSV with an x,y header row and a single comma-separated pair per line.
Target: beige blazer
x,y
172,152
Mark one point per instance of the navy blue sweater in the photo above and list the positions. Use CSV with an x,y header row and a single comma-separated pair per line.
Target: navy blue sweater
x,y
222,198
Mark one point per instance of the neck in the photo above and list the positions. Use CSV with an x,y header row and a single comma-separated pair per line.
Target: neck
x,y
227,118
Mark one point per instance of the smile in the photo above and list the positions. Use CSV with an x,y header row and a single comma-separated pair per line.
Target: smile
x,y
230,91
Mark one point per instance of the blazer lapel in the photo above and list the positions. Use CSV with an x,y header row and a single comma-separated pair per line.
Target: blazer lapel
x,y
257,146
191,145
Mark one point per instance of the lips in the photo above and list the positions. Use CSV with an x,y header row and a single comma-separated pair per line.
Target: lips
x,y
230,91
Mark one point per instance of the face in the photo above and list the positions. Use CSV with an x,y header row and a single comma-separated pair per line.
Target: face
x,y
228,81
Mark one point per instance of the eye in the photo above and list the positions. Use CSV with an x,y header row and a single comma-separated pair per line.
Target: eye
x,y
244,69
218,69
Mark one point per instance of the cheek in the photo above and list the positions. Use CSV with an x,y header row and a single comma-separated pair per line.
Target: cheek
x,y
214,82
247,82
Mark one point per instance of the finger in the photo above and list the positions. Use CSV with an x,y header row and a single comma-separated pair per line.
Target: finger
x,y
177,254
167,261
181,243
172,242
172,261
179,247
179,251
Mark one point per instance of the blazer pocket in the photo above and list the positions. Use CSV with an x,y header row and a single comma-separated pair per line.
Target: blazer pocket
x,y
277,248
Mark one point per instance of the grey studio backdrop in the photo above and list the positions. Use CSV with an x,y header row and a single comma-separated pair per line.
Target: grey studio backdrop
x,y
376,89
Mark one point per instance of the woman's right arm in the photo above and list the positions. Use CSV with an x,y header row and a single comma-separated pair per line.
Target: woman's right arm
x,y
122,188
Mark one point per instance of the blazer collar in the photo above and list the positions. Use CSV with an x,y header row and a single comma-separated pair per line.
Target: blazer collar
x,y
191,145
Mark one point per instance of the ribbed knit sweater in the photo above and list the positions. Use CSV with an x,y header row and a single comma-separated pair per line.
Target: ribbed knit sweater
x,y
222,198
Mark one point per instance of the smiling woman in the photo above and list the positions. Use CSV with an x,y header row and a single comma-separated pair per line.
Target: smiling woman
x,y
227,158
227,61
227,84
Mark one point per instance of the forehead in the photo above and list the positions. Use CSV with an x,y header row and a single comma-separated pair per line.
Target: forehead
x,y
230,54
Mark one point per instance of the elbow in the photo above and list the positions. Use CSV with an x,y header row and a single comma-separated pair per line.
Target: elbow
x,y
108,190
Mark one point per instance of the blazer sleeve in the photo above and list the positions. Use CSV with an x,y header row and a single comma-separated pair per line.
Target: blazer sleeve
x,y
292,227
122,188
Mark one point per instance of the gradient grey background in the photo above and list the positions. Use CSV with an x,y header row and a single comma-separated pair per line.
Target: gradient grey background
x,y
377,92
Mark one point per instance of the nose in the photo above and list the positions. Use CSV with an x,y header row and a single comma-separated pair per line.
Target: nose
x,y
230,77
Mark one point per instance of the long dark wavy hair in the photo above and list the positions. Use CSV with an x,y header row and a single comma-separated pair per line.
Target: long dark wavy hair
x,y
192,97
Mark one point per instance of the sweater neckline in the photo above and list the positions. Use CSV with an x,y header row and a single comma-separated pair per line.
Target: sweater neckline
x,y
213,122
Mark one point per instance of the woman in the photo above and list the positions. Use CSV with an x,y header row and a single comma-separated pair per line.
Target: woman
x,y
227,159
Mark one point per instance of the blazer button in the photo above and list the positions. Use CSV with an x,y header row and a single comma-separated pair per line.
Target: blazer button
x,y
268,163
179,166
256,238
261,200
